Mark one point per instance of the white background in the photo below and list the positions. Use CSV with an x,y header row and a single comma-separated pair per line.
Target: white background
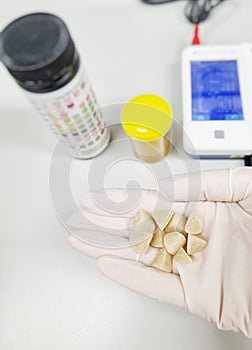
x,y
50,296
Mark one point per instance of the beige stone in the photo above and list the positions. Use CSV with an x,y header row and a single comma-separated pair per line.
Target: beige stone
x,y
195,223
162,217
195,244
142,222
173,241
162,261
140,241
182,257
157,239
177,223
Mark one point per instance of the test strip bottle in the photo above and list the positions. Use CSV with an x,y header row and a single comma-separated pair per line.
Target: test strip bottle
x,y
40,54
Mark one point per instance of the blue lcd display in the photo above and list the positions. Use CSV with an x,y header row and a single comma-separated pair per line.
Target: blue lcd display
x,y
215,91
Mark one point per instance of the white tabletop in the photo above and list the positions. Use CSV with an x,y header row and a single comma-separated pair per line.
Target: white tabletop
x,y
50,296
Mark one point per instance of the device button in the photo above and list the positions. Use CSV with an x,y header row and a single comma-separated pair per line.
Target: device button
x,y
219,134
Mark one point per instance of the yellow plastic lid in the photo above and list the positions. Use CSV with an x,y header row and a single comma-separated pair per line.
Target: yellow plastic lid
x,y
147,117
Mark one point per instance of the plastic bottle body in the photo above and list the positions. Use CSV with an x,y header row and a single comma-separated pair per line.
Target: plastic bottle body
x,y
73,115
152,151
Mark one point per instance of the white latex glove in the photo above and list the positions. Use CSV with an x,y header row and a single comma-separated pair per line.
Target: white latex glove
x,y
217,285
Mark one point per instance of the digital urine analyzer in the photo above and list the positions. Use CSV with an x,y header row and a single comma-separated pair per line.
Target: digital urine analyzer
x,y
217,101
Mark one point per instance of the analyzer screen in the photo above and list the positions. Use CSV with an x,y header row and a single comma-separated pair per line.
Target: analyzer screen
x,y
215,91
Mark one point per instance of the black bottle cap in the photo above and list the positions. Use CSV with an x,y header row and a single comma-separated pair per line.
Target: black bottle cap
x,y
39,52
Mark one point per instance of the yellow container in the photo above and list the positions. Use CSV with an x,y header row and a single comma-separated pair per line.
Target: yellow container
x,y
147,120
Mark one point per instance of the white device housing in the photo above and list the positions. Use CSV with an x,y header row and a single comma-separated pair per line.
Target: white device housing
x,y
199,137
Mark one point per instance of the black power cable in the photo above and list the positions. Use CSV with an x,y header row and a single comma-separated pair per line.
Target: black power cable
x,y
248,160
196,11
157,2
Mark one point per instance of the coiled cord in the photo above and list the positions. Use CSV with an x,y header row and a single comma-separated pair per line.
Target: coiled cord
x,y
196,11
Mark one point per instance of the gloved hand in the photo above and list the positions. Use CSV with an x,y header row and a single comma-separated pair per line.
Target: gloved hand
x,y
217,285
